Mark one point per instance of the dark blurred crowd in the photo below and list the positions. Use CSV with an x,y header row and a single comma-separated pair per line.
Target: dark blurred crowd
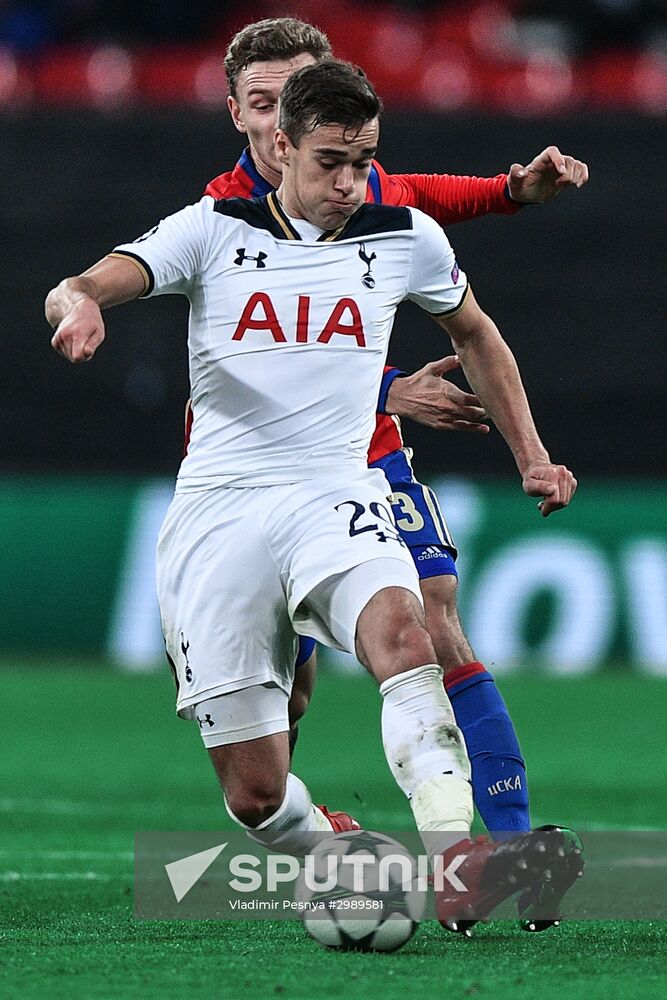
x,y
577,26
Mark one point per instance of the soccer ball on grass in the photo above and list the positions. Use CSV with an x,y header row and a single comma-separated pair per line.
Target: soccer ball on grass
x,y
358,892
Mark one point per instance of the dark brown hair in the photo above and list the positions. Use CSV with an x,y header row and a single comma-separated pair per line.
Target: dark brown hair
x,y
270,40
328,93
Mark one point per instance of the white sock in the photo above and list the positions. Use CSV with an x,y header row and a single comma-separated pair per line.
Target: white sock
x,y
426,751
295,814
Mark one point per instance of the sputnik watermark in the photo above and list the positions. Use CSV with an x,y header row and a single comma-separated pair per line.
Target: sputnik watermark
x,y
318,873
227,875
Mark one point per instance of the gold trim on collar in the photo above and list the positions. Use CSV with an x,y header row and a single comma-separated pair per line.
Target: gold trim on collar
x,y
333,235
279,216
290,232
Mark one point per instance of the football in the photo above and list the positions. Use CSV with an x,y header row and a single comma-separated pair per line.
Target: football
x,y
359,891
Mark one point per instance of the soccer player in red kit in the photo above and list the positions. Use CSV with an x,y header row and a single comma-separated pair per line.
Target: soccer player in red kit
x,y
259,60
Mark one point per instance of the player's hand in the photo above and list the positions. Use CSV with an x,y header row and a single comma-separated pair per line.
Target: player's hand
x,y
554,483
80,333
431,400
545,176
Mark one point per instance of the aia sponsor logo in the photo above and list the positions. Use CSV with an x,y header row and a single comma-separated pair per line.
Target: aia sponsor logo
x,y
261,316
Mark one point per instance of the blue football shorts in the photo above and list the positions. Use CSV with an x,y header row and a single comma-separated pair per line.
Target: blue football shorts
x,y
305,650
419,518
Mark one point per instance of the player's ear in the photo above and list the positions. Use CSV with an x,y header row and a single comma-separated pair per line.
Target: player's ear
x,y
235,112
282,145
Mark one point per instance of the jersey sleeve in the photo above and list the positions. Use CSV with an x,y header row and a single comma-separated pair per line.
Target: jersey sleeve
x,y
172,252
436,282
448,198
385,385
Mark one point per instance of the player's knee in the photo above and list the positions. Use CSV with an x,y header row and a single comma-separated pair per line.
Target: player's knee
x,y
252,805
408,643
416,646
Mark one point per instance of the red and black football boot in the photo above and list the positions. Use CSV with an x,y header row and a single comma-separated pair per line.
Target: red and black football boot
x,y
340,821
540,909
492,872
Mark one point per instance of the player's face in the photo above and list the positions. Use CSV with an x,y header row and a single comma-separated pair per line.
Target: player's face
x,y
255,107
326,175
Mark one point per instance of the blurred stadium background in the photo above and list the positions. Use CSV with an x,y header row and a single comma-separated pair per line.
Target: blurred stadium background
x,y
113,115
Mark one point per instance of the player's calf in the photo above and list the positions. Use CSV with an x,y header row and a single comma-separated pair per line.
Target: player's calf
x,y
499,781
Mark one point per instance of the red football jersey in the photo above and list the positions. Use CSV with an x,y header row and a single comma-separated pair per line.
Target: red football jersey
x,y
447,198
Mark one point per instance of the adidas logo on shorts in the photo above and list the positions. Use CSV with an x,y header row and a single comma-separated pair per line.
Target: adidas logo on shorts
x,y
431,552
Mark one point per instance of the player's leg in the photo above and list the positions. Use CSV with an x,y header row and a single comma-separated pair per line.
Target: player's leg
x,y
374,609
305,670
234,681
246,734
252,775
451,645
350,528
498,770
499,779
377,601
372,605
427,760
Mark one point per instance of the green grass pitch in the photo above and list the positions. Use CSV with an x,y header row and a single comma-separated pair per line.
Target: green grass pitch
x,y
90,755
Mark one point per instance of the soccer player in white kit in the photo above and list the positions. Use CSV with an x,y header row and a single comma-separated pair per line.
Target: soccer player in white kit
x,y
277,524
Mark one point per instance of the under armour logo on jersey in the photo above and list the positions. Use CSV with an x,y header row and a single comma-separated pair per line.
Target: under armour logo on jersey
x,y
242,257
367,279
206,721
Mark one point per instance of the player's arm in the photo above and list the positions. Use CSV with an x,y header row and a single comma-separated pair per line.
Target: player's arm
x,y
448,198
163,261
430,399
492,372
74,307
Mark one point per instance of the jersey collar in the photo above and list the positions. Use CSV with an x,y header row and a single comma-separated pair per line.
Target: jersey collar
x,y
246,164
285,224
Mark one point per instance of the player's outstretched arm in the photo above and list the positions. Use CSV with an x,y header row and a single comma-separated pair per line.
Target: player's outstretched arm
x,y
430,399
448,198
546,176
73,307
492,371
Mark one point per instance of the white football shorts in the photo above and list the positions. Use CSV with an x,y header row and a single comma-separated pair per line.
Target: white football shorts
x,y
235,568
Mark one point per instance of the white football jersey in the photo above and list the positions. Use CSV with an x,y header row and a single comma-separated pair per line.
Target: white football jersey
x,y
288,332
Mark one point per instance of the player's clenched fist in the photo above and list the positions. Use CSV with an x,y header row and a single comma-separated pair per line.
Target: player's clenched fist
x,y
554,483
73,308
80,332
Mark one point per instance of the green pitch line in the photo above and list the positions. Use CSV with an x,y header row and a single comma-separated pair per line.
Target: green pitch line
x,y
90,756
